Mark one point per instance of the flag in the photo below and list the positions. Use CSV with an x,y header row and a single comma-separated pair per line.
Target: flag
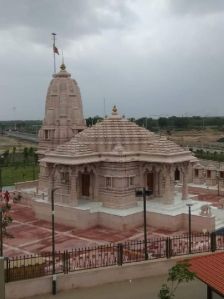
x,y
55,50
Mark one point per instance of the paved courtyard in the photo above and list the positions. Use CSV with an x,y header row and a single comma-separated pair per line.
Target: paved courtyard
x,y
31,235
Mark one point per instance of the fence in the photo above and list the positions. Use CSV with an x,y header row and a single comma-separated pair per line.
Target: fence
x,y
109,255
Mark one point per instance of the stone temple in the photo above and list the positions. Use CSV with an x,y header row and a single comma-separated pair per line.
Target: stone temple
x,y
96,171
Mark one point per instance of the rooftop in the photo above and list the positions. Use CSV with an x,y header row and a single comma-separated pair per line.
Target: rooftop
x,y
209,269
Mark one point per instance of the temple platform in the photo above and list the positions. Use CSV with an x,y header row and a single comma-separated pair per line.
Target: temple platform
x,y
173,216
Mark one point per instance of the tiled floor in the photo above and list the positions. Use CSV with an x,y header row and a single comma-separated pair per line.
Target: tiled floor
x,y
31,235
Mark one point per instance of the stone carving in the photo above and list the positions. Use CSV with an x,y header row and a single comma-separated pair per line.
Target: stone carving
x,y
206,210
221,202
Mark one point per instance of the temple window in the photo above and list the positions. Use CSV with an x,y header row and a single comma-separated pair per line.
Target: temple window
x,y
108,182
46,134
64,177
221,174
196,173
177,174
131,181
208,173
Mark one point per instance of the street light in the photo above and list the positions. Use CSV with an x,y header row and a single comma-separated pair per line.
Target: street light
x,y
1,158
189,205
143,192
53,241
218,177
1,232
2,269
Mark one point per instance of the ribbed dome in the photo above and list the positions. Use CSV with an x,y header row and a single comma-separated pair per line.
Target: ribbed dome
x,y
116,133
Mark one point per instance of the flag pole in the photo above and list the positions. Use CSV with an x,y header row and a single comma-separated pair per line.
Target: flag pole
x,y
54,35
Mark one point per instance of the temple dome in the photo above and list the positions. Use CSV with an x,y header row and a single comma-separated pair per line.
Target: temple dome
x,y
116,135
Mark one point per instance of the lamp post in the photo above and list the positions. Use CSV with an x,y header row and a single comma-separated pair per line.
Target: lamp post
x,y
1,158
143,192
1,232
53,241
218,176
189,205
2,269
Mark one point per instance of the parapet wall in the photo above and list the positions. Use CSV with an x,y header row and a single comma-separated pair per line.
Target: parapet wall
x,y
89,278
26,185
85,219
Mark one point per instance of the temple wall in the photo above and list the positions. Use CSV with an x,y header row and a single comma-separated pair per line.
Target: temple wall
x,y
84,279
84,219
117,183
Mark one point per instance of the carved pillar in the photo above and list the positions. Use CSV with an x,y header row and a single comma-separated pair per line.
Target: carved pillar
x,y
161,186
141,182
185,182
73,187
157,181
168,192
96,187
51,173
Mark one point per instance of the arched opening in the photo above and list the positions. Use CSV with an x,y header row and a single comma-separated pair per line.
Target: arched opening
x,y
150,181
177,174
85,177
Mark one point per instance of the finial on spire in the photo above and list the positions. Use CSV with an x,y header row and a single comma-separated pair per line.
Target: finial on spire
x,y
62,67
114,110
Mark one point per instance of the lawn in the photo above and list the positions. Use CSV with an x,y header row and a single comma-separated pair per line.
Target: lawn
x,y
21,173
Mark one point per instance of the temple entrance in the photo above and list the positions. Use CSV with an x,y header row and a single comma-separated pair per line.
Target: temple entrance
x,y
177,175
85,184
150,181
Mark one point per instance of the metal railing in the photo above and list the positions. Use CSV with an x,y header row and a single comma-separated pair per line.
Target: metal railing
x,y
25,267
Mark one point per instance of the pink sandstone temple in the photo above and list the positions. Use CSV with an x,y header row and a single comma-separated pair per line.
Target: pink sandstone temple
x,y
96,171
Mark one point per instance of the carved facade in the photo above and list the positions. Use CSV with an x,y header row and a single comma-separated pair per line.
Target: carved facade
x,y
107,162
210,173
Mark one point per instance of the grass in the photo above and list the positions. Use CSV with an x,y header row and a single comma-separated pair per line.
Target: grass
x,y
21,173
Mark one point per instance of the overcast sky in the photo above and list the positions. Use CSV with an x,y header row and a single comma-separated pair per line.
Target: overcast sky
x,y
149,57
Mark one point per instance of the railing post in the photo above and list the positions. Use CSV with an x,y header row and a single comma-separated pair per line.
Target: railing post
x,y
2,278
168,247
64,262
7,273
119,254
213,241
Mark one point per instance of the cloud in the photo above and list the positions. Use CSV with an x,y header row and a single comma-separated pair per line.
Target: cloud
x,y
196,7
70,19
141,55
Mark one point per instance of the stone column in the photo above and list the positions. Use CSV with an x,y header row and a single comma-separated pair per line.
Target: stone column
x,y
141,176
73,189
185,183
96,187
168,194
51,170
157,181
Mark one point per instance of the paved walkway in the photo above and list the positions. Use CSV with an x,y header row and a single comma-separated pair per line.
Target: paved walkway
x,y
31,235
146,288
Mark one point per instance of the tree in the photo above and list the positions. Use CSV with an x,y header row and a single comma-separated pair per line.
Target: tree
x,y
31,151
6,218
163,122
13,153
176,275
25,154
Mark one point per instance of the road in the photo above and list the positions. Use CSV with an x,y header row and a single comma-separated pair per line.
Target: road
x,y
146,288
